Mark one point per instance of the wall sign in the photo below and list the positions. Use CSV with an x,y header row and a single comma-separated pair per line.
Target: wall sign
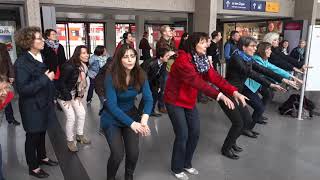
x,y
259,6
243,5
273,7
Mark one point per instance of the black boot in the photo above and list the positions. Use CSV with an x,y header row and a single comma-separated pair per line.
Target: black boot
x,y
236,148
229,154
248,133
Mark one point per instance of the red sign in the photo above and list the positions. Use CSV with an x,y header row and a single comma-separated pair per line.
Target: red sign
x,y
293,26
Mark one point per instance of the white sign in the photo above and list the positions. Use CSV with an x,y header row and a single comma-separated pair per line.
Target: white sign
x,y
313,82
6,37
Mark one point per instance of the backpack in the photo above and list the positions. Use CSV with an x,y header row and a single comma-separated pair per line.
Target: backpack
x,y
291,106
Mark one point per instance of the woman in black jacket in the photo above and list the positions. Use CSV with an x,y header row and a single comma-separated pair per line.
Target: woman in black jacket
x,y
72,86
36,94
53,52
240,68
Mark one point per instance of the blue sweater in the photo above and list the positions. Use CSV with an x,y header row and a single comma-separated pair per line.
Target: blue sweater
x,y
253,85
119,102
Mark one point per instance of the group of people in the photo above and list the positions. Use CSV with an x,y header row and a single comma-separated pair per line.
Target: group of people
x,y
44,78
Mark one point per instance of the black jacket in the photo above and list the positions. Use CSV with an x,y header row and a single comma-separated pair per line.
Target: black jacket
x,y
53,60
68,81
239,70
36,94
285,62
213,51
300,57
155,74
145,48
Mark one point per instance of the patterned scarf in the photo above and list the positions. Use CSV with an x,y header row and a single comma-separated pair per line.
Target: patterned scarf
x,y
52,44
201,62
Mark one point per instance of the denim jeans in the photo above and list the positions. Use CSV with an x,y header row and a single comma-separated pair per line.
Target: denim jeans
x,y
186,126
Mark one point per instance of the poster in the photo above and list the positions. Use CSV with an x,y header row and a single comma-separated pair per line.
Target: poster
x,y
313,83
7,38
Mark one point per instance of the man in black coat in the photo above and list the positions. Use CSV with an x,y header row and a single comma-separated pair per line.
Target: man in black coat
x,y
155,71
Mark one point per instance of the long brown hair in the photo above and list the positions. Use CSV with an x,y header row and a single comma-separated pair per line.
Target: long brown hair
x,y
119,75
261,49
75,58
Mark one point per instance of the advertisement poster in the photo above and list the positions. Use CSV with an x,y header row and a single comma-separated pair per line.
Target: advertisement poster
x,y
6,37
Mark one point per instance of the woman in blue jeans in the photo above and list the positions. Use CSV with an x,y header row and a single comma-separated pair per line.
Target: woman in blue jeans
x,y
189,74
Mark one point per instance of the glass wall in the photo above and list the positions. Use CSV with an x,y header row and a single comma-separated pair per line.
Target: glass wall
x,y
71,35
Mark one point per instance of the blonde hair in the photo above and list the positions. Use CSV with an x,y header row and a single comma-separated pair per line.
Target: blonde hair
x,y
269,37
164,28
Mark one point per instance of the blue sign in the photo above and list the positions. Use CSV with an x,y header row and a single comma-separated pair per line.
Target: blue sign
x,y
258,6
243,5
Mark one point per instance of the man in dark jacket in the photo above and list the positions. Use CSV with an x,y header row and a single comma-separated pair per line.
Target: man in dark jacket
x,y
213,50
231,45
145,47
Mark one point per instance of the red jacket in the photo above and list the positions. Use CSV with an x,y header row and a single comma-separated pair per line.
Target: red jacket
x,y
9,97
185,81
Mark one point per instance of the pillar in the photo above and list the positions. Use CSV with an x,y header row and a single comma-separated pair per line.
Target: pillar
x,y
33,12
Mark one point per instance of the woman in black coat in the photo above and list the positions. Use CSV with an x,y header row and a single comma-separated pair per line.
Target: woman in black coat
x,y
36,94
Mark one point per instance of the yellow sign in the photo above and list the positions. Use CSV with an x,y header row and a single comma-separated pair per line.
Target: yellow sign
x,y
272,7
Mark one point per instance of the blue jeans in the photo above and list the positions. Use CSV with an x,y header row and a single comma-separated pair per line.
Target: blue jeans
x,y
257,104
186,126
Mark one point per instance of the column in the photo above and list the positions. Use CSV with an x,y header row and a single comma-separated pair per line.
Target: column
x,y
110,31
33,13
205,16
49,17
139,31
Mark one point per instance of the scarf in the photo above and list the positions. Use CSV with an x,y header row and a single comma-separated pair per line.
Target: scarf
x,y
82,81
52,44
244,56
201,62
301,51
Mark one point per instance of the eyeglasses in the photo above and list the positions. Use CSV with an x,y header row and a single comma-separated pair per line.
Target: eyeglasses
x,y
253,45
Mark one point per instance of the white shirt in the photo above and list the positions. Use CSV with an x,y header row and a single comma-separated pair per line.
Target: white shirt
x,y
37,57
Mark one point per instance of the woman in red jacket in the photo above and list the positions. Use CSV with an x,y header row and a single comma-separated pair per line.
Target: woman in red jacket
x,y
189,74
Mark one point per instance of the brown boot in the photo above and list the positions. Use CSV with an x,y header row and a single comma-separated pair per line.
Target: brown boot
x,y
82,139
72,146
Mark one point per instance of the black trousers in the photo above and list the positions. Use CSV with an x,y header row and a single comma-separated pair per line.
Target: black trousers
x,y
9,113
240,118
267,95
35,149
122,140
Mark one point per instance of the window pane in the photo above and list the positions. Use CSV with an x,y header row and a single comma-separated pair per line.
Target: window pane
x,y
61,33
96,35
77,35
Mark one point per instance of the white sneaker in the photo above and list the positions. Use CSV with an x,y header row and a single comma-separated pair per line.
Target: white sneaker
x,y
181,176
192,171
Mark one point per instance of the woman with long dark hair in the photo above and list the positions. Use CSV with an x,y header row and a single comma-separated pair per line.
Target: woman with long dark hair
x,y
184,38
191,73
120,119
72,88
36,94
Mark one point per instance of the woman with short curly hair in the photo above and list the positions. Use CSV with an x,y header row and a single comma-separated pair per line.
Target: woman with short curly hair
x,y
36,94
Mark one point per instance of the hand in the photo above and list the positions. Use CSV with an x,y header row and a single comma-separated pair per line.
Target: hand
x,y
305,67
297,80
147,131
137,128
239,97
11,80
79,99
227,101
50,75
291,83
297,70
278,87
66,104
210,61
